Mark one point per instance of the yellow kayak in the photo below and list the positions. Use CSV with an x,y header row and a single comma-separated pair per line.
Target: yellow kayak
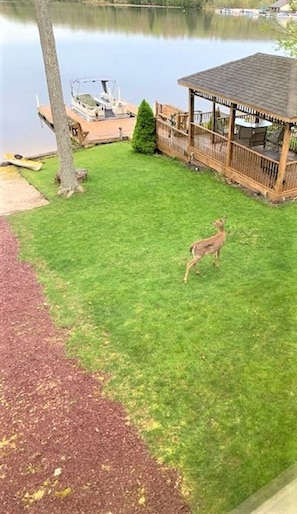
x,y
19,160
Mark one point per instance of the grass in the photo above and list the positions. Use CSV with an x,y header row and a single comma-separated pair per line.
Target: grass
x,y
207,370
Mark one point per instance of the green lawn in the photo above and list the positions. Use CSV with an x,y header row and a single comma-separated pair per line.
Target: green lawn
x,y
207,370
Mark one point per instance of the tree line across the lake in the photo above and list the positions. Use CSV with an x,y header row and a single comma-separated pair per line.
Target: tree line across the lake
x,y
168,23
183,4
196,4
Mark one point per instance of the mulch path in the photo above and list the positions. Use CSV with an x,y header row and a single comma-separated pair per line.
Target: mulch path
x,y
64,448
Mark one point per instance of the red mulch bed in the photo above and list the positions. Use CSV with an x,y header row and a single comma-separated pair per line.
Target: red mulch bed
x,y
64,448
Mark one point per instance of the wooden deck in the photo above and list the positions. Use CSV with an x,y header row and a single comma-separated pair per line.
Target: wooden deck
x,y
89,133
255,168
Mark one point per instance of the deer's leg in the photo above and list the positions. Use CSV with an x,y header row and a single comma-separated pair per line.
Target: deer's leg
x,y
217,257
190,265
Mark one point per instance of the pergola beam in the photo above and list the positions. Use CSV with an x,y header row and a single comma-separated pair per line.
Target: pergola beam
x,y
240,107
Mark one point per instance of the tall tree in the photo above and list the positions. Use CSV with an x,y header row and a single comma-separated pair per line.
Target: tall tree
x,y
69,183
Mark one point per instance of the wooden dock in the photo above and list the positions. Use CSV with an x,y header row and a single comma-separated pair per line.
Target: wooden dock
x,y
89,133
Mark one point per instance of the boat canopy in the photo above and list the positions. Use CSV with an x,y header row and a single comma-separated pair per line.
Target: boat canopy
x,y
108,85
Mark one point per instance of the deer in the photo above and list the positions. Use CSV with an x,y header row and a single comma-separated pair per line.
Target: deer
x,y
207,246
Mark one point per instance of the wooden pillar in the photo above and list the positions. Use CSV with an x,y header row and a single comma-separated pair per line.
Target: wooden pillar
x,y
233,108
191,101
283,159
213,118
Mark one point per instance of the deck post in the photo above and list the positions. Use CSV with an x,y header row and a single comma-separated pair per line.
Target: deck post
x,y
213,119
283,160
191,116
233,108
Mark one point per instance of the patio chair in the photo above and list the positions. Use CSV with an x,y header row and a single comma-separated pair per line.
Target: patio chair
x,y
275,137
221,129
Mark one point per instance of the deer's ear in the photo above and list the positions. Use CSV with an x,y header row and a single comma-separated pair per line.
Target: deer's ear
x,y
225,217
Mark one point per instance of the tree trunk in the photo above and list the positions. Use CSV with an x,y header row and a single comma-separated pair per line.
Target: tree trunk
x,y
69,183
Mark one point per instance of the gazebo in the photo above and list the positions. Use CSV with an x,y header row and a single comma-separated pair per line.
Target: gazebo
x,y
250,131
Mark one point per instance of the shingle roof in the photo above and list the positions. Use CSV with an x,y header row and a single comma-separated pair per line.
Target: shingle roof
x,y
263,82
280,3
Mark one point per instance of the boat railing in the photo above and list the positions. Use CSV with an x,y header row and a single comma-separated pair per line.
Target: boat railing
x,y
120,108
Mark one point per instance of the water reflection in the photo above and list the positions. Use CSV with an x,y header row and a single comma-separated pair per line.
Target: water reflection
x,y
145,50
146,21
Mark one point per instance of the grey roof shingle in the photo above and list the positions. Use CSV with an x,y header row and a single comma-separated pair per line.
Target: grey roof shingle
x,y
279,3
263,82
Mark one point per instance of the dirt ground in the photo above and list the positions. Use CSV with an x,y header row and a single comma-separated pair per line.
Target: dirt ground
x,y
64,448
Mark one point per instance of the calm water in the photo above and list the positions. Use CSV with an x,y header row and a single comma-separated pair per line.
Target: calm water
x,y
145,50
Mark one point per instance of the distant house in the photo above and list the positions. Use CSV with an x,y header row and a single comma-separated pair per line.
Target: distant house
x,y
280,6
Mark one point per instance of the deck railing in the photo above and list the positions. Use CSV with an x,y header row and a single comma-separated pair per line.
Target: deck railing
x,y
290,178
210,148
255,166
175,141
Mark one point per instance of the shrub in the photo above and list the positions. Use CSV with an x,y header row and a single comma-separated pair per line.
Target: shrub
x,y
144,135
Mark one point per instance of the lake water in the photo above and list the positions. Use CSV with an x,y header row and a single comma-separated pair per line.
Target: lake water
x,y
145,50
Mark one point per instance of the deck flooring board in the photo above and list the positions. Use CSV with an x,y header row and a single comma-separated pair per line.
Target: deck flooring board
x,y
102,131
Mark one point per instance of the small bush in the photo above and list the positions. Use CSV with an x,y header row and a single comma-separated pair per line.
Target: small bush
x,y
144,135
